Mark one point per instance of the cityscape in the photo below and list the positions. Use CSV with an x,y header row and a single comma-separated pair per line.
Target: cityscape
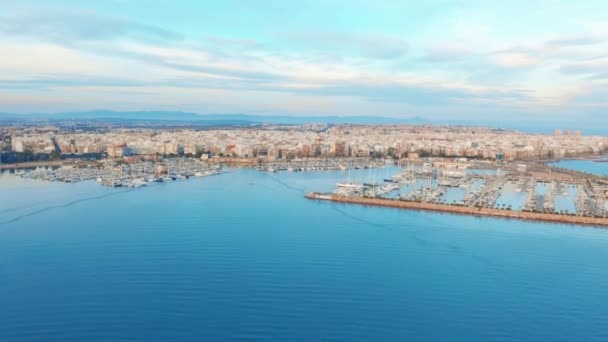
x,y
443,168
352,171
276,142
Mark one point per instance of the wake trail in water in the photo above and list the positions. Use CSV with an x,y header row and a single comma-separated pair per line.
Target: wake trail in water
x,y
65,205
12,209
418,239
361,220
288,186
489,265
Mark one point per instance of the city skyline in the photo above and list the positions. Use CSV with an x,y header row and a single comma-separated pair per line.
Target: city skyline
x,y
276,170
441,60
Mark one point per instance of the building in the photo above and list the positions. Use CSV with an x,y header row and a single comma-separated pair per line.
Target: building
x,y
161,169
117,151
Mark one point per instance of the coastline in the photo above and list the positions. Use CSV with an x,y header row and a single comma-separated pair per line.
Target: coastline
x,y
461,210
46,163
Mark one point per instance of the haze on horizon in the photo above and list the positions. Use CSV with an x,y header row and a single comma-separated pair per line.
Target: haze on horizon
x,y
466,60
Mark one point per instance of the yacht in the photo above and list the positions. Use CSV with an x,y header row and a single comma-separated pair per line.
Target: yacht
x,y
348,185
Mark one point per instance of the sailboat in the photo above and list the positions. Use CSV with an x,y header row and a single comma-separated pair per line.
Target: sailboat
x,y
348,184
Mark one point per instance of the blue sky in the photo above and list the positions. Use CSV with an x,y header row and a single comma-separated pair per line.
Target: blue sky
x,y
443,60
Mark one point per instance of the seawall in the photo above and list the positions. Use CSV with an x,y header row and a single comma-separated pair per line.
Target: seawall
x,y
475,211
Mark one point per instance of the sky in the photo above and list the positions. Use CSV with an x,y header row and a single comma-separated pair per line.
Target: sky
x,y
539,60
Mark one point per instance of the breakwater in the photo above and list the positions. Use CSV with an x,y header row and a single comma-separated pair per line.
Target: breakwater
x,y
463,210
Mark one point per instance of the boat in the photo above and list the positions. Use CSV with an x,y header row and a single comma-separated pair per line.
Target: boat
x,y
348,185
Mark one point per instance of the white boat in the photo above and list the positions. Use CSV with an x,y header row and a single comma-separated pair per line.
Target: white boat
x,y
348,185
139,183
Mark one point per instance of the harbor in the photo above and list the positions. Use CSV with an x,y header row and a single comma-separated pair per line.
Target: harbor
x,y
514,191
323,164
133,175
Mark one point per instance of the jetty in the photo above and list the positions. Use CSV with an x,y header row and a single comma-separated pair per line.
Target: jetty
x,y
462,210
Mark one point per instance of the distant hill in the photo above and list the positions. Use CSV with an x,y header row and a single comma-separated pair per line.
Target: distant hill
x,y
6,116
143,115
180,119
188,117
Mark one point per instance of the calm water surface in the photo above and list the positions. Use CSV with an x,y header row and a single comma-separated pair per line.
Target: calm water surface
x,y
590,166
243,256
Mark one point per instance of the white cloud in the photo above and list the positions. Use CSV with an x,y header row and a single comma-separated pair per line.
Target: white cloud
x,y
515,60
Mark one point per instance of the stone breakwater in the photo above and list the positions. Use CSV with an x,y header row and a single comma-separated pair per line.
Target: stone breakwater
x,y
476,211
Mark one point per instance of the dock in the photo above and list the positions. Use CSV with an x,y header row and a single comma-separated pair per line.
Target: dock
x,y
463,210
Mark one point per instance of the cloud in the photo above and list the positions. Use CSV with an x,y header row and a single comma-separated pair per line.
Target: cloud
x,y
191,61
549,53
363,45
414,92
238,43
514,60
600,76
51,82
75,53
575,41
596,66
448,53
79,26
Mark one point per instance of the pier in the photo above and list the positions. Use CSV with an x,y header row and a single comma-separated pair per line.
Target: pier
x,y
463,210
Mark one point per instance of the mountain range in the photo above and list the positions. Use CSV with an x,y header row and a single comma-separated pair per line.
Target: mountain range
x,y
183,117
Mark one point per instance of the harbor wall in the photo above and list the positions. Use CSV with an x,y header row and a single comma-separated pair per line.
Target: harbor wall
x,y
476,211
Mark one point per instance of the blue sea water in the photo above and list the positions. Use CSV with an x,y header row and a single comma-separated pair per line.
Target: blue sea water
x,y
590,166
245,257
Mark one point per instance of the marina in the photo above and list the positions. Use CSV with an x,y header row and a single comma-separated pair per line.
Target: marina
x,y
516,193
134,175
474,187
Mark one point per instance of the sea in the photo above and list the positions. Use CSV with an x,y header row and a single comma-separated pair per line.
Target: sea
x,y
590,166
243,256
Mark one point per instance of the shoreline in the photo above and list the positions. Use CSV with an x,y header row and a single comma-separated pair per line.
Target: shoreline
x,y
46,163
461,210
